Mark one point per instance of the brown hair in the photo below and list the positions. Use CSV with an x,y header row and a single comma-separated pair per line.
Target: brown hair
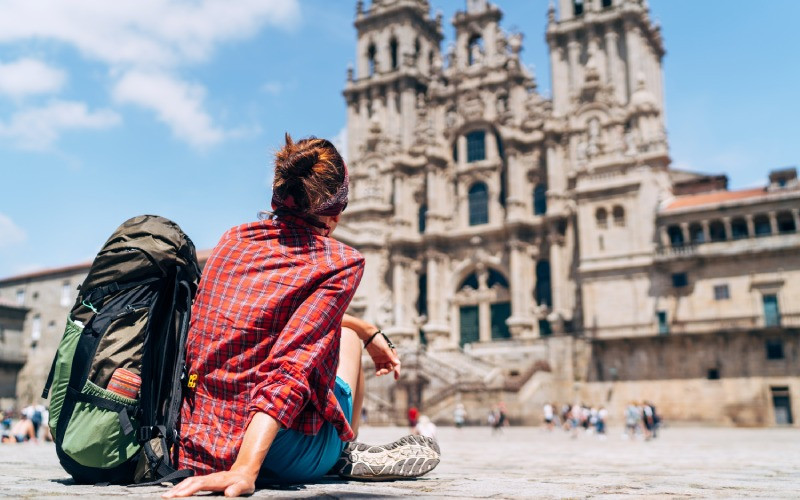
x,y
310,170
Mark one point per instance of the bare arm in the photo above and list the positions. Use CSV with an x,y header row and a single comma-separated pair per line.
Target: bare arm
x,y
363,329
241,479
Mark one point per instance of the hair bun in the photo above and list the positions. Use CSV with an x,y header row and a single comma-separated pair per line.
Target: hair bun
x,y
302,163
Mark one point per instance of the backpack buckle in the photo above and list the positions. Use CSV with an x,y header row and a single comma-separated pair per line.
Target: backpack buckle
x,y
145,433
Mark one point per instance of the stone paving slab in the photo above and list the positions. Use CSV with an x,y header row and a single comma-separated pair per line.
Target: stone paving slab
x,y
521,462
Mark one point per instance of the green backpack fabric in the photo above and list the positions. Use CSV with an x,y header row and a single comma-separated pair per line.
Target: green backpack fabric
x,y
132,312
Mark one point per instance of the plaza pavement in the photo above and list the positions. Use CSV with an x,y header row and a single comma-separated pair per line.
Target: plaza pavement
x,y
523,462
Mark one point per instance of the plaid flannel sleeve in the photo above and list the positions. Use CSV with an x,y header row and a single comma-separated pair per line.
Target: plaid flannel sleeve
x,y
311,334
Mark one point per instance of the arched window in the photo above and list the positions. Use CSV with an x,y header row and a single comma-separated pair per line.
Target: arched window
x,y
739,228
696,233
619,215
393,52
540,199
763,227
577,7
478,204
675,236
371,59
607,3
423,211
476,146
475,50
601,215
496,278
716,230
786,223
544,291
470,281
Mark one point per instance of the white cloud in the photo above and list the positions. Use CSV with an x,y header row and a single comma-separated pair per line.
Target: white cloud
x,y
143,32
10,233
340,141
178,104
29,76
146,42
39,128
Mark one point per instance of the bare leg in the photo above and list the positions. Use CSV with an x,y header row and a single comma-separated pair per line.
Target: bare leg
x,y
351,371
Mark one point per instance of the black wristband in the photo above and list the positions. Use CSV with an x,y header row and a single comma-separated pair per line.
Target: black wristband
x,y
391,345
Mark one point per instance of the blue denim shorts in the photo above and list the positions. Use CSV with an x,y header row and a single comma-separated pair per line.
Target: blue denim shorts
x,y
295,457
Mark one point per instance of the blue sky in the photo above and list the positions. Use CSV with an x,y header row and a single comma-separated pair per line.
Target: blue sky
x,y
112,109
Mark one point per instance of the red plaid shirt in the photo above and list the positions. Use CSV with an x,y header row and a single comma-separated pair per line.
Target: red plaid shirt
x,y
264,337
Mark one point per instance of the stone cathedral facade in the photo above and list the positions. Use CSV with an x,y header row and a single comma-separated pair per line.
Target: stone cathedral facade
x,y
523,248
506,233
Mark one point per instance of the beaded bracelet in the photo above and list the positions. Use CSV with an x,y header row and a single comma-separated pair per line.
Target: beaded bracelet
x,y
391,345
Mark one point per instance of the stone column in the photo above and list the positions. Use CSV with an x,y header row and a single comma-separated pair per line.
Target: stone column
x,y
556,281
515,201
484,309
520,323
706,231
664,235
573,49
751,226
402,330
633,41
687,237
773,222
726,221
614,68
436,328
462,150
560,78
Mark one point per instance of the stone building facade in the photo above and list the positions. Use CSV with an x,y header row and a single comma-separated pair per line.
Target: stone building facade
x,y
531,249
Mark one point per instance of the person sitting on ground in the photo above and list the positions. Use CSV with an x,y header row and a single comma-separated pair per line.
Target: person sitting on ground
x,y
23,430
278,384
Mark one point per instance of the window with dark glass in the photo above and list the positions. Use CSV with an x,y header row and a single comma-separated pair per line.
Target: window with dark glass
x,y
470,330
619,215
680,280
371,59
675,236
663,326
772,315
500,313
478,204
496,278
476,146
774,349
786,223
545,329
544,291
601,216
577,7
738,228
540,199
696,233
713,374
763,227
422,297
716,230
393,52
721,292
607,3
423,212
470,281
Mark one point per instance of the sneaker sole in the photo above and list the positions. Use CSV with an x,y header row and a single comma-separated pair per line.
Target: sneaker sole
x,y
411,456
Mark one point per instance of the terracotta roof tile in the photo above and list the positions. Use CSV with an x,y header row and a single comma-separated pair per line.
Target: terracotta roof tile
x,y
696,200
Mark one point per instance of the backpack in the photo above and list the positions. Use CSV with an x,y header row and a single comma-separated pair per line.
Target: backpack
x,y
131,316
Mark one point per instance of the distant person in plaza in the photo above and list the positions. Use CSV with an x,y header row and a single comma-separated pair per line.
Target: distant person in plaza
x,y
459,415
548,416
23,430
633,417
277,363
413,416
